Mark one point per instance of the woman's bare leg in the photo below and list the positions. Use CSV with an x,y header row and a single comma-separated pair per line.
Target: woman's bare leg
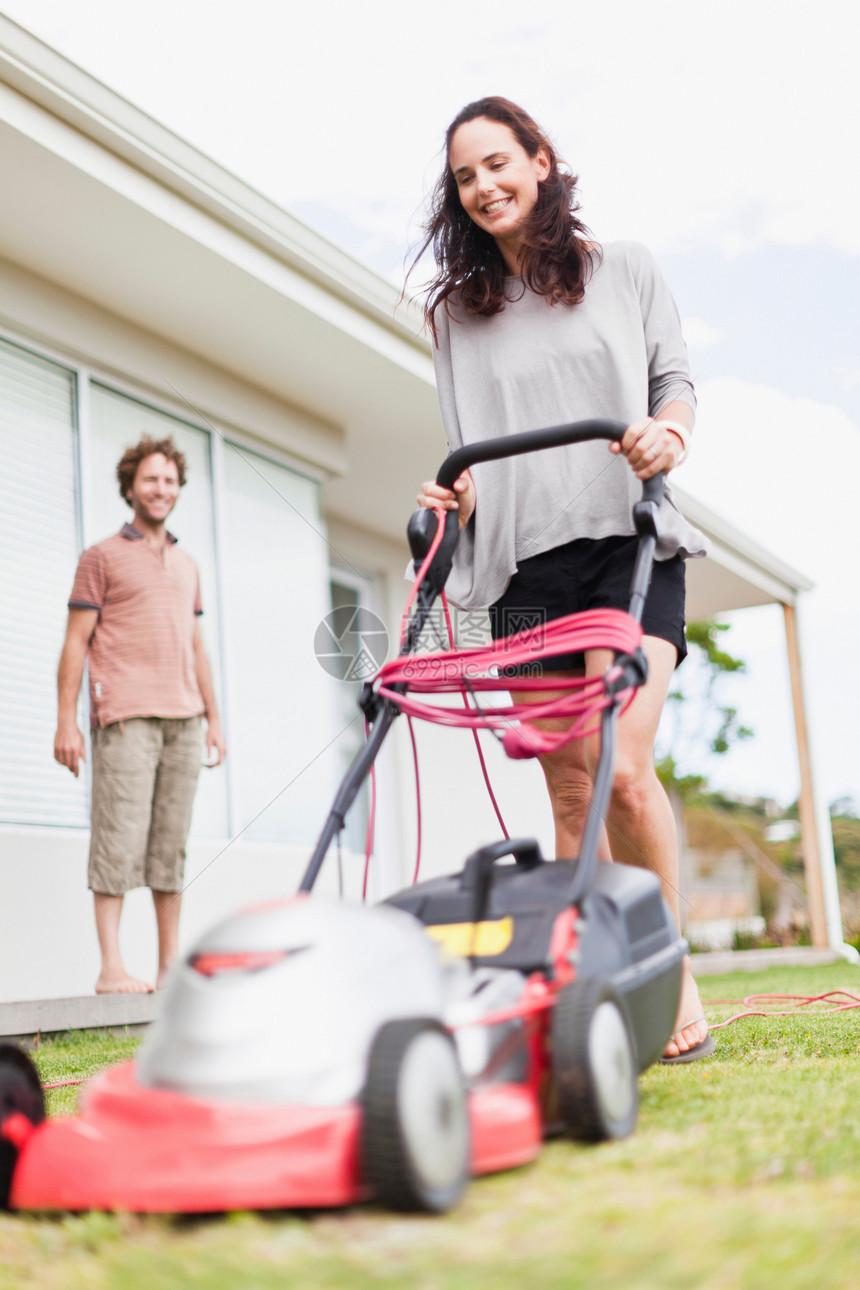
x,y
567,779
640,823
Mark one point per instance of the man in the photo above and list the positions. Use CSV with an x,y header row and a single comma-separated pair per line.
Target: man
x,y
133,614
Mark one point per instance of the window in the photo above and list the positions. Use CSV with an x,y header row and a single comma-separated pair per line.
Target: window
x,y
282,703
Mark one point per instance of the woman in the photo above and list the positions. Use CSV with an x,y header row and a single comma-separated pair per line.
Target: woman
x,y
535,325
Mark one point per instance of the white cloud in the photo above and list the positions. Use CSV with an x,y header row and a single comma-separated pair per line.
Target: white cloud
x,y
723,125
700,334
785,470
849,378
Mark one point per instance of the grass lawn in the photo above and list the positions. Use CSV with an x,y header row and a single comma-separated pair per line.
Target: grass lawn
x,y
744,1172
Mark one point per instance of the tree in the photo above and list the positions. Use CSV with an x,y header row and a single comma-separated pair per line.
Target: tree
x,y
846,847
696,723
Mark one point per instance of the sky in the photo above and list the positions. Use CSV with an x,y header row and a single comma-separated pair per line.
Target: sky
x,y
719,135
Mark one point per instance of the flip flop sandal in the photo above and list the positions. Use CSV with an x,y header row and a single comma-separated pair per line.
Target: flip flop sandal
x,y
703,1049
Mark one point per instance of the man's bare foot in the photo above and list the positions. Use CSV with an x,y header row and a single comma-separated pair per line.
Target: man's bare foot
x,y
689,1011
121,984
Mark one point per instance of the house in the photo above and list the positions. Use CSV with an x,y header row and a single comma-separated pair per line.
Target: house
x,y
145,289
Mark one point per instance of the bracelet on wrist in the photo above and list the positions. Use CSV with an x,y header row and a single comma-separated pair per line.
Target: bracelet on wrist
x,y
683,434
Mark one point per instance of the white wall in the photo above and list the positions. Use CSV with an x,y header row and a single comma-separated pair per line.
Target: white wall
x,y
48,945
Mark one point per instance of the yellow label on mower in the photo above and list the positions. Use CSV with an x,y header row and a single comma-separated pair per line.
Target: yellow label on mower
x,y
482,939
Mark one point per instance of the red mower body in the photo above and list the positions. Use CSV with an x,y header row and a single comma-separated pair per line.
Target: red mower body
x,y
154,1151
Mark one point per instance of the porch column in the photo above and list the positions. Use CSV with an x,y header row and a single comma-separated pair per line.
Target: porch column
x,y
822,891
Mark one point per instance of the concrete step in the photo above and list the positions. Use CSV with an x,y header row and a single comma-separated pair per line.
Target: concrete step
x,y
714,962
30,1017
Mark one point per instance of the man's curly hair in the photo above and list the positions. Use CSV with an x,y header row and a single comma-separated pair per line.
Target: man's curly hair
x,y
132,457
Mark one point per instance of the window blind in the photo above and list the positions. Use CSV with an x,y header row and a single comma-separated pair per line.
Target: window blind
x,y
39,547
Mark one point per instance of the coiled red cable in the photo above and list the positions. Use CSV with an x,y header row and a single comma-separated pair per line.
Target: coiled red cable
x,y
471,671
465,671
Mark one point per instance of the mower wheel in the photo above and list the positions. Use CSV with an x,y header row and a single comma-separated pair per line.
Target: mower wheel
x,y
415,1146
20,1095
593,1062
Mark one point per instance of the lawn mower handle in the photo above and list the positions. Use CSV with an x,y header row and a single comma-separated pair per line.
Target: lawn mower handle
x,y
530,441
645,512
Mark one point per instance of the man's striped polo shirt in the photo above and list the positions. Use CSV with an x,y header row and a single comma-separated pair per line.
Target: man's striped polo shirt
x,y
141,654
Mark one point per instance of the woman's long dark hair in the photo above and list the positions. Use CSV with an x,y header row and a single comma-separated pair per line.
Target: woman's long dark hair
x,y
556,257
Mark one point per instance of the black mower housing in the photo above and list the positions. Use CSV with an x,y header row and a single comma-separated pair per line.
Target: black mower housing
x,y
625,930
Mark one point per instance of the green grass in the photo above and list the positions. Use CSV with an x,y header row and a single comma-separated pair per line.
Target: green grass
x,y
744,1172
77,1056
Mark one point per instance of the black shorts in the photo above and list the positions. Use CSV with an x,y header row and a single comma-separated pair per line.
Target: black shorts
x,y
585,574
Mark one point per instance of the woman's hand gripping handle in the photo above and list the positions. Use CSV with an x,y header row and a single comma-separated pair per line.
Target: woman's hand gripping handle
x,y
461,498
653,446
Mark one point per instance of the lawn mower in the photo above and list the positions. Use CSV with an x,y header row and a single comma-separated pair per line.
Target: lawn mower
x,y
312,1053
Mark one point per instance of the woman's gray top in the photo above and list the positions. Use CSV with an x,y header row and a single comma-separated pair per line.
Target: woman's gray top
x,y
618,354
